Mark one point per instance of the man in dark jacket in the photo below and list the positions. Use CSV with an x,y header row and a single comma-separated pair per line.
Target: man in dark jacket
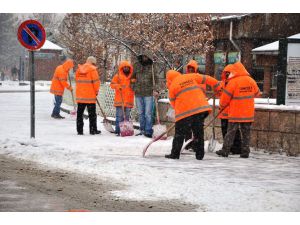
x,y
144,88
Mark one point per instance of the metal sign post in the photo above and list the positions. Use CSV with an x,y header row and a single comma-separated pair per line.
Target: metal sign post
x,y
32,36
32,95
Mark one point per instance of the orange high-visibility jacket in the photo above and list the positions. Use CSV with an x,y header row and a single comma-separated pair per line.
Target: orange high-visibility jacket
x,y
87,83
121,84
60,78
239,95
186,95
227,69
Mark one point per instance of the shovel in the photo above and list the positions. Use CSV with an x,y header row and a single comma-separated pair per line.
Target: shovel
x,y
126,127
73,112
158,129
106,122
156,139
212,141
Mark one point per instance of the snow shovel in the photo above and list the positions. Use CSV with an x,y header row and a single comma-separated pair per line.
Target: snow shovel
x,y
126,127
212,141
73,112
158,128
156,139
106,122
186,144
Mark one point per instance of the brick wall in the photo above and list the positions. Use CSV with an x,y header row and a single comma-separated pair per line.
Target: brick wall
x,y
45,63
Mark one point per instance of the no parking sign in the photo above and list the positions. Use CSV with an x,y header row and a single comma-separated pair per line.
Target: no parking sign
x,y
31,34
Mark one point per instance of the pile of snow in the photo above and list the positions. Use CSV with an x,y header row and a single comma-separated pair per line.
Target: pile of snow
x,y
261,183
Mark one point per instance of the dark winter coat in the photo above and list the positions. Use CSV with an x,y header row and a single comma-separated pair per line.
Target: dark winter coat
x,y
143,81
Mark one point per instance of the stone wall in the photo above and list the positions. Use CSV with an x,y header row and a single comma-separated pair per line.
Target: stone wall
x,y
274,130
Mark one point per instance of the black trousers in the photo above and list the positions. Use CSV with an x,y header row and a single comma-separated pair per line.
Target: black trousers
x,y
92,117
183,127
237,143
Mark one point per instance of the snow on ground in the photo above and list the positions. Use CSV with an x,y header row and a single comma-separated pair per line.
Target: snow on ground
x,y
261,183
13,86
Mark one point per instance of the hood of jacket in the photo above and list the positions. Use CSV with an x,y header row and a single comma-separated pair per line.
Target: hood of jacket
x,y
239,70
228,69
124,64
86,68
192,63
171,75
68,64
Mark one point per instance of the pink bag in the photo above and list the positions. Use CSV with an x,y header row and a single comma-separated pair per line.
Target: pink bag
x,y
126,128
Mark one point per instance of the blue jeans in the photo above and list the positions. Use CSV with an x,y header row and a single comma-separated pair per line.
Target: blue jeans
x,y
145,108
58,101
120,117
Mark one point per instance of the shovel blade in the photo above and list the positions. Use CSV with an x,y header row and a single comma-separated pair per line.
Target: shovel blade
x,y
212,145
126,128
108,126
158,130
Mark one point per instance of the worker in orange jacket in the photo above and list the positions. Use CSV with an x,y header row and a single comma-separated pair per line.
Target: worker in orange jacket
x,y
236,147
192,67
238,95
58,84
87,88
124,95
191,108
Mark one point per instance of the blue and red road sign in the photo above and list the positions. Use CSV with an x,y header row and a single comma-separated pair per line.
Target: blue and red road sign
x,y
31,34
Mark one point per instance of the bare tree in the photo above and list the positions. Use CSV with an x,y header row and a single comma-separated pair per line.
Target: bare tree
x,y
167,36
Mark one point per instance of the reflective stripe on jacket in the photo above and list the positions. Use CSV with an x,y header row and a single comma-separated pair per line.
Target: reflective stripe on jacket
x,y
186,95
87,83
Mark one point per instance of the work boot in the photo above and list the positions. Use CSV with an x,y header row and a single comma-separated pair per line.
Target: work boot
x,y
170,156
200,155
57,116
244,155
222,153
95,132
148,135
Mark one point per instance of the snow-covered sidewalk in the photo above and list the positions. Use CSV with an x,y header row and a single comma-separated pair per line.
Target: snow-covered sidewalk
x,y
261,183
14,86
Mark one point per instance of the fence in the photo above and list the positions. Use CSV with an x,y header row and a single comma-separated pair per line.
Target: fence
x,y
106,99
